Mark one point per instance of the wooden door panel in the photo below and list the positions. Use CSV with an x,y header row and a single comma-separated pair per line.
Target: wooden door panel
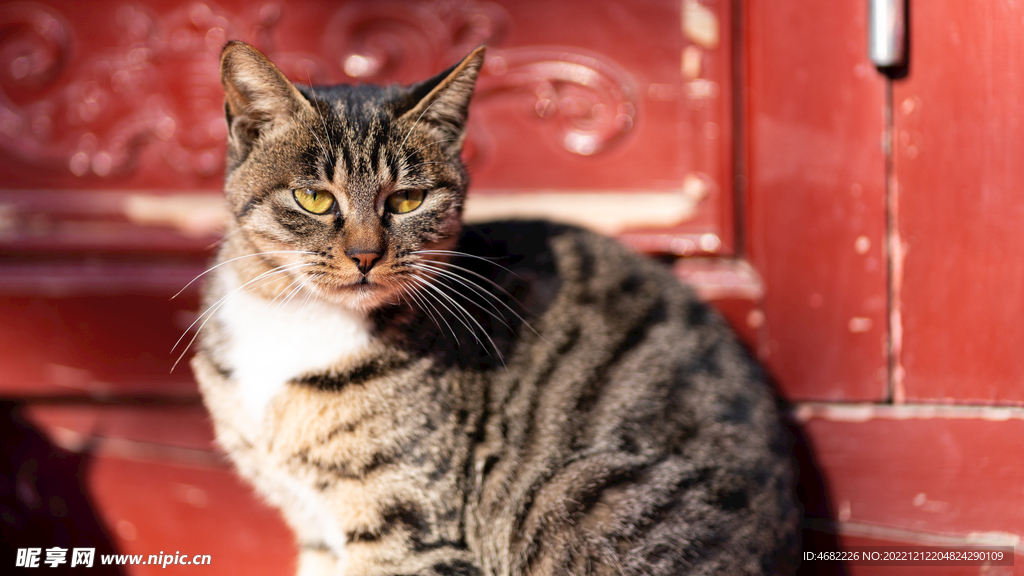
x,y
959,144
927,469
628,101
139,481
100,346
816,197
127,431
112,129
153,505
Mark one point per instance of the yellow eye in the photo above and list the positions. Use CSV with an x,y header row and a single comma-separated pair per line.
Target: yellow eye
x,y
405,201
316,201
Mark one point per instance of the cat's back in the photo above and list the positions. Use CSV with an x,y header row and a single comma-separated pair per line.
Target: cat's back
x,y
628,432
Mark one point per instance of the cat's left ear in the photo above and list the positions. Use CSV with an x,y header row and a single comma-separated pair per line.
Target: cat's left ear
x,y
444,99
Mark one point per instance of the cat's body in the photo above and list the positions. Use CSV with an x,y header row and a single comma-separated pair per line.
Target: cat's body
x,y
582,413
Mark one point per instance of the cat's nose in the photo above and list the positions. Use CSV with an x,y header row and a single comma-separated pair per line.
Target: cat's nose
x,y
364,260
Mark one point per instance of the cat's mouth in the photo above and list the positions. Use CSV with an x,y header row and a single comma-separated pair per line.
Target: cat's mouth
x,y
361,294
360,286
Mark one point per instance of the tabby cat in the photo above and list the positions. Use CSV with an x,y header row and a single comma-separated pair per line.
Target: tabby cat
x,y
418,397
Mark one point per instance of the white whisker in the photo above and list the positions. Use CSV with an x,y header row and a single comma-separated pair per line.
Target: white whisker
x,y
480,276
459,317
480,289
432,143
327,133
273,271
470,316
223,239
212,268
403,288
209,313
446,275
323,148
414,124
310,290
422,301
298,282
474,256
423,164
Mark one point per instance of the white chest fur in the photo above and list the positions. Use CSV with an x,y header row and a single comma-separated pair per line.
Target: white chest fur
x,y
274,342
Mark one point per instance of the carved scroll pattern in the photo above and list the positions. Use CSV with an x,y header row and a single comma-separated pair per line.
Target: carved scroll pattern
x,y
584,101
155,95
116,102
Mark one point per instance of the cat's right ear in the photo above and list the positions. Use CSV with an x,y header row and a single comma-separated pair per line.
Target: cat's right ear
x,y
257,96
443,100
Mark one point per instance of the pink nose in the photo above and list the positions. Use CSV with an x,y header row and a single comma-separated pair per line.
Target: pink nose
x,y
364,260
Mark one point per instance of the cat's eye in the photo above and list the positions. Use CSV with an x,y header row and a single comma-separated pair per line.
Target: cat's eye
x,y
405,201
315,201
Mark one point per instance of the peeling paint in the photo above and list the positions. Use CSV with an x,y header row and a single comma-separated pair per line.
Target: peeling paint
x,y
700,25
607,213
908,105
994,538
692,62
865,412
194,215
696,186
68,439
8,221
897,257
859,325
717,279
836,412
921,501
755,319
894,534
710,243
845,511
191,494
126,530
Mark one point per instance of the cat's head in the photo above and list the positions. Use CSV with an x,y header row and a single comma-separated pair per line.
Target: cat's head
x,y
339,187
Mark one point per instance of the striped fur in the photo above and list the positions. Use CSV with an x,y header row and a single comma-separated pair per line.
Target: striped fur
x,y
510,399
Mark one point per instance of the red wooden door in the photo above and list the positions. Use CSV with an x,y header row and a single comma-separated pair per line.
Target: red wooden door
x,y
958,169
884,222
816,197
861,232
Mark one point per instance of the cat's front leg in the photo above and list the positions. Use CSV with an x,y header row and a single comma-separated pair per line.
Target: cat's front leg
x,y
240,437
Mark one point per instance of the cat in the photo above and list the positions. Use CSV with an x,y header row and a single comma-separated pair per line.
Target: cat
x,y
421,397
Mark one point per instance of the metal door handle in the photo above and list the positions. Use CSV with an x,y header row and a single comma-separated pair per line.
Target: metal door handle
x,y
887,32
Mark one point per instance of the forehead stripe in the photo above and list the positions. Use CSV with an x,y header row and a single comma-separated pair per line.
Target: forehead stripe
x,y
346,156
330,166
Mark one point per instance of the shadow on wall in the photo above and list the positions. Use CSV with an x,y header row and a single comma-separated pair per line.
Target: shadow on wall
x,y
43,500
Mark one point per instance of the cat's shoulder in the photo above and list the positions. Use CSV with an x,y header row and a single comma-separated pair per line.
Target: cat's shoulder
x,y
572,255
